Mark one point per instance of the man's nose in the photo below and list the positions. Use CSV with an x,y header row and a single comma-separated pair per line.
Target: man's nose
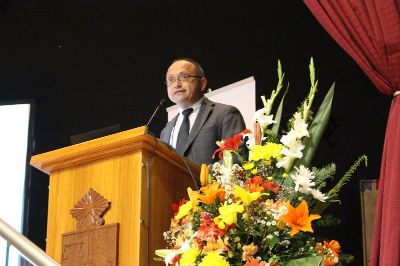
x,y
178,83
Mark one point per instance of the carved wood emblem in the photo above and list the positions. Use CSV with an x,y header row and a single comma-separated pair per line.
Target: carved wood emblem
x,y
92,244
89,210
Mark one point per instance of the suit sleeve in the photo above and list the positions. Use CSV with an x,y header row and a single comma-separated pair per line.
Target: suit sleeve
x,y
232,123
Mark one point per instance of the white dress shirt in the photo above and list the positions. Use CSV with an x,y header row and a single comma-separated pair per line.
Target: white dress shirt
x,y
192,118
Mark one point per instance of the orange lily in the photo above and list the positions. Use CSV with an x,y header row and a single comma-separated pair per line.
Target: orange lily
x,y
210,192
334,246
330,251
230,144
298,218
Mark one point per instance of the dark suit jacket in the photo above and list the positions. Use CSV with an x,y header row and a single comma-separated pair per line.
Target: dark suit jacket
x,y
214,122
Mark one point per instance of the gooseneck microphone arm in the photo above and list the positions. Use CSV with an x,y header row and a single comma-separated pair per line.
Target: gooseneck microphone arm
x,y
155,111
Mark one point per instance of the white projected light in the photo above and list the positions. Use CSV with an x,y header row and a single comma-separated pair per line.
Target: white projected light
x,y
14,132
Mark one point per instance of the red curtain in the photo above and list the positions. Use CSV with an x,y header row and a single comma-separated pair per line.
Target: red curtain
x,y
369,31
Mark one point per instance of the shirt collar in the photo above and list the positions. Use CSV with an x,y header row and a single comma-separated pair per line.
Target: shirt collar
x,y
195,106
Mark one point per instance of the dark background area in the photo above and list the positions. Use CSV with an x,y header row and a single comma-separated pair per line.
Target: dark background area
x,y
91,64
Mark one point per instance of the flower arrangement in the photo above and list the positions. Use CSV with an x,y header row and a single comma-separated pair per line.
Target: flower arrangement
x,y
259,205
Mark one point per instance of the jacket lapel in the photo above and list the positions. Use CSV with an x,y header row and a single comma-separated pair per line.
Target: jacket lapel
x,y
205,109
168,129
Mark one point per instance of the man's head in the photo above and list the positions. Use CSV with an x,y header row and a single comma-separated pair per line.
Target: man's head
x,y
186,82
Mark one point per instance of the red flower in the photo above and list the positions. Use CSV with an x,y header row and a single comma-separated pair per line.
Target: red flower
x,y
271,186
176,259
208,231
175,207
257,183
256,262
230,144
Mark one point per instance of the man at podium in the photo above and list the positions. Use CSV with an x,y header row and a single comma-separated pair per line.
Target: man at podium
x,y
200,122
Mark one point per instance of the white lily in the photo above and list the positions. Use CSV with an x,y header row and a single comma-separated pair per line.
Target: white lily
x,y
224,173
251,141
289,139
169,254
284,162
294,150
262,118
300,126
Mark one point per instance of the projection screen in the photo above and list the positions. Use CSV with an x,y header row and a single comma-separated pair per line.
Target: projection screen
x,y
15,139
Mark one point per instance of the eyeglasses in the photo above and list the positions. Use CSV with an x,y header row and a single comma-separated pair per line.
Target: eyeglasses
x,y
181,78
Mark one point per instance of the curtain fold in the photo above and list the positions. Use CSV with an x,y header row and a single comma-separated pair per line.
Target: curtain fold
x,y
369,31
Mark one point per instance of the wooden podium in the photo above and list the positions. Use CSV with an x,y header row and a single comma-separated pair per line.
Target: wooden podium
x,y
138,174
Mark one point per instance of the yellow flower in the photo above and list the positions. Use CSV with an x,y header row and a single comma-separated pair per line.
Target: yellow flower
x,y
204,174
213,259
189,205
248,166
193,197
245,196
189,257
266,152
184,210
228,214
254,171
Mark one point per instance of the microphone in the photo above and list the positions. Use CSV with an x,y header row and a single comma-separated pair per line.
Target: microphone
x,y
155,111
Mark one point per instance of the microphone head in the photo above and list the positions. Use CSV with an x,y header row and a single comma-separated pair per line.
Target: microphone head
x,y
162,101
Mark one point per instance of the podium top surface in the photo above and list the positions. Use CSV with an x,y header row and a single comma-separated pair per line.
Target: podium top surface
x,y
112,145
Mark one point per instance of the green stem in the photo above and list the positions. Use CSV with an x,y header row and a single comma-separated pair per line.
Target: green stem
x,y
268,104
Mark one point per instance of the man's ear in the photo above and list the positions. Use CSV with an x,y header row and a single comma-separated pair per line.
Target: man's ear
x,y
203,84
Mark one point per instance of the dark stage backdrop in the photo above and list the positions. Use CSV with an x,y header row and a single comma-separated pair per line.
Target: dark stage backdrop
x,y
94,63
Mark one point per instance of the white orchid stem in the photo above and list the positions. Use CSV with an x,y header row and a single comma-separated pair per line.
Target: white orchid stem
x,y
313,88
268,103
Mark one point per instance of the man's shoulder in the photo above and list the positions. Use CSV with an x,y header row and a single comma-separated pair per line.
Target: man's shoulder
x,y
218,105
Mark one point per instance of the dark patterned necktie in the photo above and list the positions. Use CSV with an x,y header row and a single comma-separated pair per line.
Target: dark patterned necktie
x,y
183,134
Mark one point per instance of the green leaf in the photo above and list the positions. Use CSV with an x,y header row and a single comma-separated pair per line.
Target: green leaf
x,y
334,191
273,242
317,129
309,261
278,115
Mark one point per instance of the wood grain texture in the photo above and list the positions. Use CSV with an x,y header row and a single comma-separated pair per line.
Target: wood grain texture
x,y
108,146
139,175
